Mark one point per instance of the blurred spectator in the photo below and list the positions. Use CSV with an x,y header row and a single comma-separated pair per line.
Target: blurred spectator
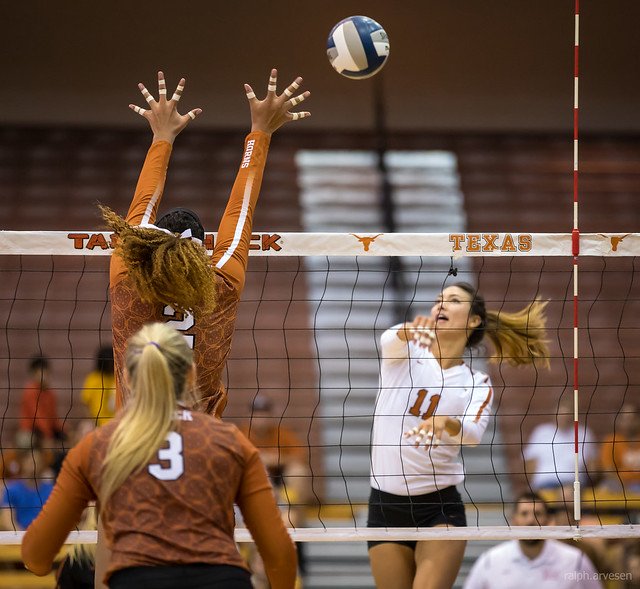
x,y
24,497
620,453
535,564
99,389
631,565
549,453
284,455
38,407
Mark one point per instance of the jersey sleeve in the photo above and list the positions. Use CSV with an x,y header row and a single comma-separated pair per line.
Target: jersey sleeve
x,y
231,251
476,416
62,511
147,196
392,348
262,516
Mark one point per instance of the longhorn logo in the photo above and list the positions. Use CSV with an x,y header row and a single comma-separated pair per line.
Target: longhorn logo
x,y
366,241
616,240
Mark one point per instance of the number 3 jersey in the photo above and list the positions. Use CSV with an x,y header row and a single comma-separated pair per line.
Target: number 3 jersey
x,y
413,388
209,335
176,510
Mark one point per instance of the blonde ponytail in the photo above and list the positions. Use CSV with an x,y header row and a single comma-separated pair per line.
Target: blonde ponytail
x,y
158,363
519,338
165,268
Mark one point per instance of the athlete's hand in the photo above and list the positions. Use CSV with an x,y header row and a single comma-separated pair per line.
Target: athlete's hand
x,y
420,331
270,114
163,116
430,431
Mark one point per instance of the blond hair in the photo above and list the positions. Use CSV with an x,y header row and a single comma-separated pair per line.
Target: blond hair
x,y
158,362
85,553
518,337
165,268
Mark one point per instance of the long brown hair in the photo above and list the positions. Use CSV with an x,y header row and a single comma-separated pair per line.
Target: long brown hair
x,y
519,337
165,268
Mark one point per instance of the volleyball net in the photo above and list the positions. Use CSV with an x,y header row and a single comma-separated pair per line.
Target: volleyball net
x,y
306,360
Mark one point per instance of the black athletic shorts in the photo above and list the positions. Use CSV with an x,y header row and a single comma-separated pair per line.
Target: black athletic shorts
x,y
193,576
417,511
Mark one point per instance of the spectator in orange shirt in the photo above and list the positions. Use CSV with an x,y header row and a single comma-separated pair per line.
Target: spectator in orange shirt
x,y
285,456
282,452
620,453
38,407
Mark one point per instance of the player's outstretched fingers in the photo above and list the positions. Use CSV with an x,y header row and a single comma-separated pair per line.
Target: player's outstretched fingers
x,y
162,86
251,95
298,99
192,114
146,93
291,90
179,90
299,115
273,82
137,109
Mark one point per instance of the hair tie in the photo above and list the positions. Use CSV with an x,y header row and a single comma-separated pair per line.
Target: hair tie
x,y
186,234
152,344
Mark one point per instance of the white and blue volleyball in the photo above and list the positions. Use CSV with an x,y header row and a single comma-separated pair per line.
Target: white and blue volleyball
x,y
358,47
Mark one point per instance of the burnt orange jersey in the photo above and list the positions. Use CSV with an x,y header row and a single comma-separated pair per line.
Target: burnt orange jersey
x,y
209,335
176,510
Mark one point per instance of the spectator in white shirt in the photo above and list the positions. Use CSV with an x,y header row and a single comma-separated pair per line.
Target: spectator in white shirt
x,y
533,564
549,453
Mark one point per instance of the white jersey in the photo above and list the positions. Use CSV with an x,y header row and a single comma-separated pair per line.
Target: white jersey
x,y
558,566
552,449
413,387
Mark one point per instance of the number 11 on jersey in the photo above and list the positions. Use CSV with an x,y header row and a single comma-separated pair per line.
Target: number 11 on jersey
x,y
417,406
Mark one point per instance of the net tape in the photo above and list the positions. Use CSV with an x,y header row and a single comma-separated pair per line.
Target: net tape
x,y
85,243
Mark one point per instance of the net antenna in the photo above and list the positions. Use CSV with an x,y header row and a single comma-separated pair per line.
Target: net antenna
x,y
575,250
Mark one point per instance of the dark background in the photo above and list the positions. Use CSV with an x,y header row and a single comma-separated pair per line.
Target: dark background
x,y
455,65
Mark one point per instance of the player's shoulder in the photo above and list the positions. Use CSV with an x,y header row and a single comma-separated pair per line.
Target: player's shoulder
x,y
216,431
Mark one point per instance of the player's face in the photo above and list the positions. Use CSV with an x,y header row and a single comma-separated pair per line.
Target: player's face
x,y
452,311
529,514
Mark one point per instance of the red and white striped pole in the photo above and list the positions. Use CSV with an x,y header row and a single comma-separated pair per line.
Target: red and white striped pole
x,y
575,246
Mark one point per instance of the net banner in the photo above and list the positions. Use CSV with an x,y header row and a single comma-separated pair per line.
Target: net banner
x,y
70,243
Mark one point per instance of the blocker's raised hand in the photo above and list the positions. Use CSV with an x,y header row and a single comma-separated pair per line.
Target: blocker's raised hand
x,y
163,116
273,111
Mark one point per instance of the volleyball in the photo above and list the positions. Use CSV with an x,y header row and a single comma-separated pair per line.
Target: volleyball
x,y
358,47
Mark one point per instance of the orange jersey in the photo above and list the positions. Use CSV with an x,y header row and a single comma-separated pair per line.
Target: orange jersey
x,y
176,510
209,335
620,458
278,440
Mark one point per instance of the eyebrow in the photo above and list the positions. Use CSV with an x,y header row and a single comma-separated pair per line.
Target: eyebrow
x,y
454,296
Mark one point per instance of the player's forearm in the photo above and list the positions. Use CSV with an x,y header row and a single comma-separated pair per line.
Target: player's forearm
x,y
150,183
234,234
